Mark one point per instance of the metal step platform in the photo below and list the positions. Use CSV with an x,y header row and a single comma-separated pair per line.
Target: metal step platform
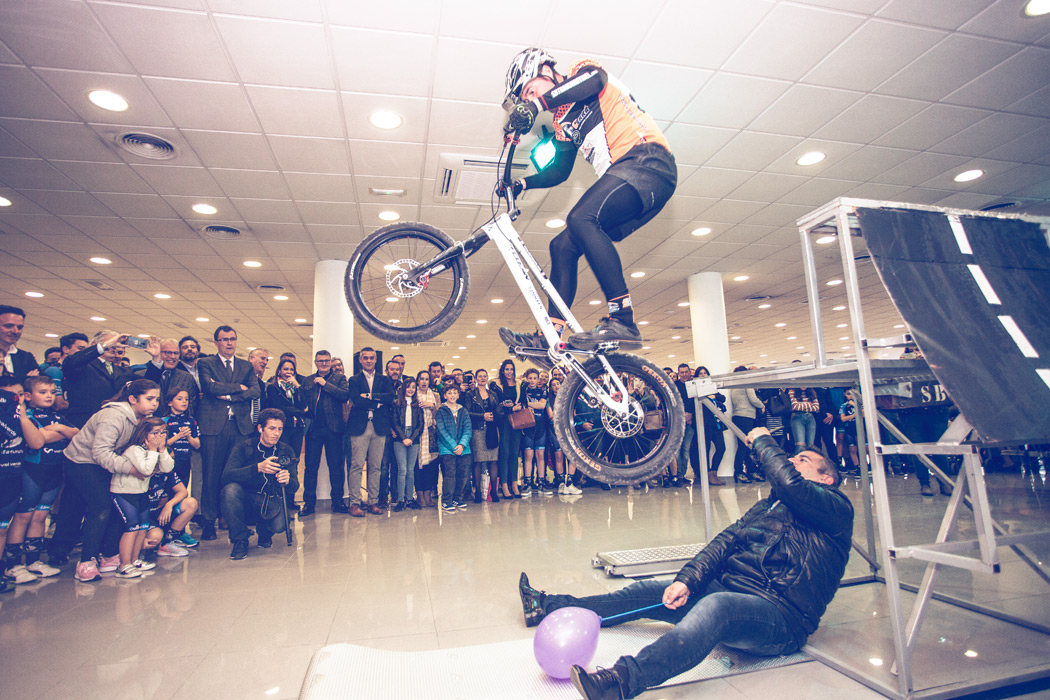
x,y
651,561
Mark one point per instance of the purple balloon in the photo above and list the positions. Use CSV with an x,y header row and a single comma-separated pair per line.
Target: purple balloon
x,y
565,637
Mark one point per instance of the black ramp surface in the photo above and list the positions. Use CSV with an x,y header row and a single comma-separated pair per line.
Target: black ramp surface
x,y
999,381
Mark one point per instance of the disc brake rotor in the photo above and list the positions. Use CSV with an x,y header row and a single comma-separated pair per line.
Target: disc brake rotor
x,y
623,425
396,281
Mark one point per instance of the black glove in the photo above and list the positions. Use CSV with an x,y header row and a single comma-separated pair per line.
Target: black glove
x,y
501,188
522,118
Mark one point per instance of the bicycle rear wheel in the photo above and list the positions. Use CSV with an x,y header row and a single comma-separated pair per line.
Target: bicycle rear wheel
x,y
614,448
388,304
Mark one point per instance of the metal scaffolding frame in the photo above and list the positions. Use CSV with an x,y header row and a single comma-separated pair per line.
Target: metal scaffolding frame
x,y
864,374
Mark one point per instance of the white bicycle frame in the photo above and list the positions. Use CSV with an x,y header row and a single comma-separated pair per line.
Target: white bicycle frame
x,y
521,263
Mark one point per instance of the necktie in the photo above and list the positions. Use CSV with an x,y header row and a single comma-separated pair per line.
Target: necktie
x,y
109,368
165,376
229,366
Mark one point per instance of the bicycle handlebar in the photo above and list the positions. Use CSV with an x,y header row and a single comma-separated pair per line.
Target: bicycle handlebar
x,y
512,206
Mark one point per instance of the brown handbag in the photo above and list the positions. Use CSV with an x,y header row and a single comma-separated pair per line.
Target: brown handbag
x,y
654,420
522,419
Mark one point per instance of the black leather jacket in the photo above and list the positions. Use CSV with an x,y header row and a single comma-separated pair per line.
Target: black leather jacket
x,y
790,548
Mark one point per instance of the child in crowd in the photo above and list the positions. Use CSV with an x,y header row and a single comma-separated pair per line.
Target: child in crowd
x,y
170,511
534,439
564,472
147,453
17,433
183,438
454,432
41,478
847,431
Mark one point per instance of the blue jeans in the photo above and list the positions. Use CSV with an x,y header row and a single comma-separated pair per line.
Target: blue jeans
x,y
406,456
803,429
746,622
683,452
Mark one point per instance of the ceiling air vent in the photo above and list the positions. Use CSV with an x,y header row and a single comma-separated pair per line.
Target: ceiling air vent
x,y
146,146
100,285
270,288
223,233
470,179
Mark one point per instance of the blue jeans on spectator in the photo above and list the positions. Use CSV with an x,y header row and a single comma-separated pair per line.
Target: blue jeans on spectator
x,y
803,429
683,452
407,456
739,620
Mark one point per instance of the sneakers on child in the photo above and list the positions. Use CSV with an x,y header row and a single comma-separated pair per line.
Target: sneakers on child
x,y
19,574
448,506
42,570
545,487
526,488
572,489
87,571
460,505
109,564
145,565
128,571
186,540
171,549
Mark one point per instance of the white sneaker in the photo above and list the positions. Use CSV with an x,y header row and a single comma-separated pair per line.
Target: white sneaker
x,y
573,490
145,565
21,575
171,550
43,570
128,571
561,489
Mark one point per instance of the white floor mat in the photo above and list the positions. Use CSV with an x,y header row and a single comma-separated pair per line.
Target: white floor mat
x,y
506,670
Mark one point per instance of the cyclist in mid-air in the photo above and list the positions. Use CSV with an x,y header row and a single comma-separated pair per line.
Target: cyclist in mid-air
x,y
595,113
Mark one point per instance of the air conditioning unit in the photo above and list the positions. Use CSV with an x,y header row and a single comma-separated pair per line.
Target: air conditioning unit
x,y
470,179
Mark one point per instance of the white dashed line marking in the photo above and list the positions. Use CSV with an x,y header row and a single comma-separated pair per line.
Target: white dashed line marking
x,y
1044,374
986,287
960,235
1018,335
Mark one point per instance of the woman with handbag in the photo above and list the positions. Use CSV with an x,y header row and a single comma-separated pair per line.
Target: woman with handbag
x,y
426,480
509,436
481,404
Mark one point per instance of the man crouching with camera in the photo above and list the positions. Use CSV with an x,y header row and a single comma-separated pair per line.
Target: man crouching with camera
x,y
254,482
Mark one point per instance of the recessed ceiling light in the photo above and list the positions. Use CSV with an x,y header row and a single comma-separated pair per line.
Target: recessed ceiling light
x,y
162,295
800,347
455,357
834,283
845,337
481,320
108,100
970,653
389,215
462,347
311,336
670,355
683,304
780,325
393,320
1037,8
772,362
391,299
143,335
702,231
98,318
385,119
252,263
35,295
969,175
101,261
805,354
842,325
394,347
202,319
792,337
472,336
643,323
50,335
280,297
811,158
647,347
555,223
845,347
899,325
741,278
735,337
206,209
824,240
763,355
594,302
497,301
638,274
5,202
300,320
764,306
838,308
676,337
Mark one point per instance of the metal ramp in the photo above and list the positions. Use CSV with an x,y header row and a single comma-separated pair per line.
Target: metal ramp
x,y
651,561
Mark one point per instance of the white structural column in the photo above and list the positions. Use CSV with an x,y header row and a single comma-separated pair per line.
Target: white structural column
x,y
333,331
707,315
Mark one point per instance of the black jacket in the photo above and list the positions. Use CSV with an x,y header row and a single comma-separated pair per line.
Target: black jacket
x,y
790,548
22,362
87,383
477,408
396,416
332,395
294,408
382,396
178,378
242,467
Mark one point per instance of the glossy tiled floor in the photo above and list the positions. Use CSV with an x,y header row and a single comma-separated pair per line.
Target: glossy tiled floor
x,y
208,627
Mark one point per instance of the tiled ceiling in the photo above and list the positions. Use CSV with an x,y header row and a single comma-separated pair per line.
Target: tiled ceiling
x,y
267,104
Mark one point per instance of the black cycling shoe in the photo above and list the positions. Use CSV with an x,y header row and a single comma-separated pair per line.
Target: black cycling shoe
x,y
527,340
603,684
609,330
531,602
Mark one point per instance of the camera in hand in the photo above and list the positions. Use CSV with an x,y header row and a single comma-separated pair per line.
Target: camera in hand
x,y
136,342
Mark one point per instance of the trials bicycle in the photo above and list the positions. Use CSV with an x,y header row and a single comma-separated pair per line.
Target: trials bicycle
x,y
618,417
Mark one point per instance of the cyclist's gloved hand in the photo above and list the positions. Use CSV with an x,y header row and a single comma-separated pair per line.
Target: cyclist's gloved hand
x,y
501,188
522,118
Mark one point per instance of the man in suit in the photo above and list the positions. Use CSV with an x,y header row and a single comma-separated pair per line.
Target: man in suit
x,y
228,386
369,428
388,476
326,392
166,369
20,363
94,375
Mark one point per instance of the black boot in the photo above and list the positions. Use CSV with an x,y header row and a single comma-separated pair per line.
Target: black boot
x,y
531,602
603,684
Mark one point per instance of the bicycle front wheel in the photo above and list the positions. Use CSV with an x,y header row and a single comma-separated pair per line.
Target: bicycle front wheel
x,y
386,302
617,448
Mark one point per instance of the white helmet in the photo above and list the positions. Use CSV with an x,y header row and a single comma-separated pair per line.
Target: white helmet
x,y
525,66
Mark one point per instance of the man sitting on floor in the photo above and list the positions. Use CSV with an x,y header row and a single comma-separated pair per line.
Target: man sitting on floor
x,y
760,586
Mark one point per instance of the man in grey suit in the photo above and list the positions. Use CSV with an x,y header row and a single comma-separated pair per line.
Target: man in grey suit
x,y
228,386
